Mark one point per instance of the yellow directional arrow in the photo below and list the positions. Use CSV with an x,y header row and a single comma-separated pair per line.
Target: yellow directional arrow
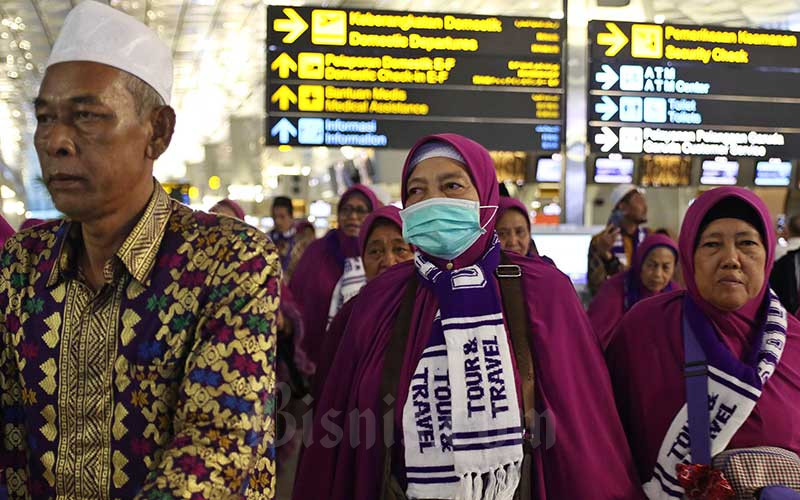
x,y
284,64
293,27
284,96
616,39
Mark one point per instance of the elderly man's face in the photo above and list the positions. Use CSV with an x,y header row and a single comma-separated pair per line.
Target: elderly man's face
x,y
93,146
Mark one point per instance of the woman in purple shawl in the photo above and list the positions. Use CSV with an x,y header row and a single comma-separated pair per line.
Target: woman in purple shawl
x,y
587,456
653,266
726,252
323,264
514,227
381,242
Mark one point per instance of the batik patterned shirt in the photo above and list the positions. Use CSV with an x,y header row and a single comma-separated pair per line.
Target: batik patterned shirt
x,y
159,385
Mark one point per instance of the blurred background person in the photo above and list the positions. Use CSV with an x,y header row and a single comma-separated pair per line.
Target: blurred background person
x,y
611,251
305,234
727,323
228,207
514,227
382,246
284,230
330,271
653,268
792,237
785,281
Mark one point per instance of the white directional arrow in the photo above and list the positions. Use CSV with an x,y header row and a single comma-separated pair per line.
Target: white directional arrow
x,y
608,139
608,108
608,77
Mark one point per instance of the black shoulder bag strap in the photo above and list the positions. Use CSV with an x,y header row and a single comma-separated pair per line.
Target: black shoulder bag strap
x,y
390,379
510,278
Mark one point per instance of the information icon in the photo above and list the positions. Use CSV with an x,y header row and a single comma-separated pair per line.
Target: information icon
x,y
311,131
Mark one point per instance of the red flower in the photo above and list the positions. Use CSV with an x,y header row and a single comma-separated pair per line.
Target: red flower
x,y
171,261
254,265
192,279
141,446
701,482
225,333
193,466
12,323
29,350
245,365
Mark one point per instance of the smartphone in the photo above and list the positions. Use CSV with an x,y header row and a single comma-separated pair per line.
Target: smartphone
x,y
615,219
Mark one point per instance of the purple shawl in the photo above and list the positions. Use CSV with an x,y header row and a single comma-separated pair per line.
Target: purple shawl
x,y
649,341
6,231
589,457
623,290
29,223
317,273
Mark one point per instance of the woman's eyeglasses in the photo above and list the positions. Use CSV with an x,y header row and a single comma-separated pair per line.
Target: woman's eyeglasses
x,y
348,210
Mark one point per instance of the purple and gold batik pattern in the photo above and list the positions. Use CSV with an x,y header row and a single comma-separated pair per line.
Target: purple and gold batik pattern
x,y
160,384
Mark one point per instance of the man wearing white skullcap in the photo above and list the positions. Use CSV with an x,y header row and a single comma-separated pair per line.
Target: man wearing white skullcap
x,y
138,335
611,251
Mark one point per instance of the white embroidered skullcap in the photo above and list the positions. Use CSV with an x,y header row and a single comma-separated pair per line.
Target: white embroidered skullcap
x,y
95,32
620,192
435,149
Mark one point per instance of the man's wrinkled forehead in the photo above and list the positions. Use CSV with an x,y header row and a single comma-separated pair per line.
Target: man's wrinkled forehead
x,y
81,82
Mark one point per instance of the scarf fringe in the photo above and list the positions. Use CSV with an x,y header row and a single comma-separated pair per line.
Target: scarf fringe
x,y
501,483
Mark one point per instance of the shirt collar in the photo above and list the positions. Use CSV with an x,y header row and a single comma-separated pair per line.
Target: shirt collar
x,y
137,253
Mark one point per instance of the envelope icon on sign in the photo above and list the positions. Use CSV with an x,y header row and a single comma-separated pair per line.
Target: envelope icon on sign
x,y
328,27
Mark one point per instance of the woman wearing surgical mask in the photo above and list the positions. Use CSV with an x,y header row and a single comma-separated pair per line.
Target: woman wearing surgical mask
x,y
330,271
382,246
653,266
723,350
430,335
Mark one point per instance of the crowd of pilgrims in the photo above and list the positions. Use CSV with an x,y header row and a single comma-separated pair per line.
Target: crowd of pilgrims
x,y
426,352
502,381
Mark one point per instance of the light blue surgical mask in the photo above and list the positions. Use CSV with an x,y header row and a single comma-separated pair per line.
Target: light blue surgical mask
x,y
443,227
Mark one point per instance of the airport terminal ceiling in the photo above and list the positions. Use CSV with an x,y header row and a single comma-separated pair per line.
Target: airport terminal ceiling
x,y
218,48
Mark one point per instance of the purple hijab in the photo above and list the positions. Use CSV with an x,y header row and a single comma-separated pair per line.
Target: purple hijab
x,y
508,203
232,205
623,290
589,457
317,273
388,213
649,341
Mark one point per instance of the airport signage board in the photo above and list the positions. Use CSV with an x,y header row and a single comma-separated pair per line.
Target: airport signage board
x,y
362,77
693,90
